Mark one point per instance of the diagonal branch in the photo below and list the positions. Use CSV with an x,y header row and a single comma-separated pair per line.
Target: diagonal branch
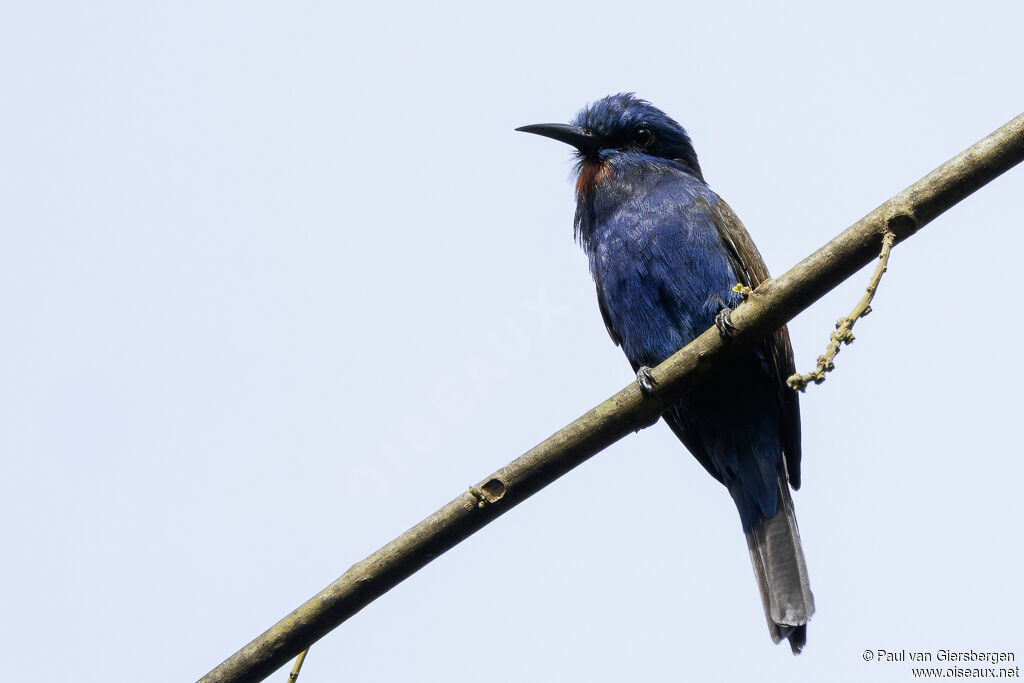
x,y
768,307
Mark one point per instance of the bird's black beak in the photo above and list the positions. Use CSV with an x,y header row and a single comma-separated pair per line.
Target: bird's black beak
x,y
580,138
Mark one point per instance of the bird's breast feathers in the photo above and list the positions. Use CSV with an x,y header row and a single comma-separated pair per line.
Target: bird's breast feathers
x,y
659,263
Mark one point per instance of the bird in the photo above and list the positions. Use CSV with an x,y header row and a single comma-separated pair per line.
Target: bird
x,y
667,255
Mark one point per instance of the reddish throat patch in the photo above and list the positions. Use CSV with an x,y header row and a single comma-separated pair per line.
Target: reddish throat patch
x,y
592,174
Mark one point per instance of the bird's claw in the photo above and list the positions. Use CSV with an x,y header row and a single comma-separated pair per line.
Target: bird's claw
x,y
723,322
646,380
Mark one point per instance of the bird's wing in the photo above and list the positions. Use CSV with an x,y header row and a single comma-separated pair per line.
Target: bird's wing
x,y
607,318
752,271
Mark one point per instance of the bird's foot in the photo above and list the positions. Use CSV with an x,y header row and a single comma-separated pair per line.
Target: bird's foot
x,y
646,380
723,322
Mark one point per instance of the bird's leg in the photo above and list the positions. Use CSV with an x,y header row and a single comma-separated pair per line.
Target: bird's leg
x,y
646,380
724,323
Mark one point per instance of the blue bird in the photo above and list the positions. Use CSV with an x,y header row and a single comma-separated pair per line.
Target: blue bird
x,y
665,252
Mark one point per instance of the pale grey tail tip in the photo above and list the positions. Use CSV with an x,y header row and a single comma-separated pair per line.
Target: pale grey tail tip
x,y
781,573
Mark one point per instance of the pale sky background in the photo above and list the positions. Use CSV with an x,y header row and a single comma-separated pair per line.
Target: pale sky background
x,y
278,281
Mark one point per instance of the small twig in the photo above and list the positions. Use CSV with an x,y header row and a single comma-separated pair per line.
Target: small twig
x,y
844,328
298,666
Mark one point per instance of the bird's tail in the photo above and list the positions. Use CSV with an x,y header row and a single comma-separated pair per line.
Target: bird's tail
x,y
781,572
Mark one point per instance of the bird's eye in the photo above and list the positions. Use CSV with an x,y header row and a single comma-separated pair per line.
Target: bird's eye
x,y
643,137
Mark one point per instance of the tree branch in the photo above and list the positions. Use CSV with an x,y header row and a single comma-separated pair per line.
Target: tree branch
x,y
768,307
844,328
294,675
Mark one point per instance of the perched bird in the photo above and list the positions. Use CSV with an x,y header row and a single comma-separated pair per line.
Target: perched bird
x,y
665,252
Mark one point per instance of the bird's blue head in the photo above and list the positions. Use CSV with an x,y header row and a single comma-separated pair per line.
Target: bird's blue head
x,y
617,125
